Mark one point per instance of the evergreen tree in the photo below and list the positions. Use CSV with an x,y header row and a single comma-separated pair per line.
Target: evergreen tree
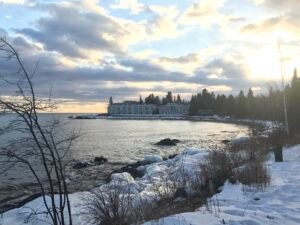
x,y
241,105
294,104
169,97
178,98
250,103
141,100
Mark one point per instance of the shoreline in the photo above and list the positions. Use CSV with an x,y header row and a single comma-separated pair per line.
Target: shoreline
x,y
215,119
87,178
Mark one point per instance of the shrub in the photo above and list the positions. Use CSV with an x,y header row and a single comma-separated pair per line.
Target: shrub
x,y
110,204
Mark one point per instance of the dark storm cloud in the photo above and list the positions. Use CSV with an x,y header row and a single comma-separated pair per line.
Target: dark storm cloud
x,y
85,83
91,83
67,30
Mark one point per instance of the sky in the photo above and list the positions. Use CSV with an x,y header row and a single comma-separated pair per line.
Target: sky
x,y
89,50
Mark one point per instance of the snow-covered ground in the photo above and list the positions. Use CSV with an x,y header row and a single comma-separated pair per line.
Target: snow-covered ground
x,y
235,204
278,204
143,189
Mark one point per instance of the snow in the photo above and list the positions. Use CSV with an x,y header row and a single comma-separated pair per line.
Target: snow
x,y
236,204
241,205
240,140
158,173
122,177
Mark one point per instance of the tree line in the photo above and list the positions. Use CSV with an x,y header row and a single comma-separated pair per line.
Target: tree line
x,y
265,107
169,98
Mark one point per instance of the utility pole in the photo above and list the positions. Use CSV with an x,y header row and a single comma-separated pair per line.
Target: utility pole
x,y
282,72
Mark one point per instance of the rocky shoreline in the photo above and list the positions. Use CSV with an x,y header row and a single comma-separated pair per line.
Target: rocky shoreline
x,y
78,179
82,175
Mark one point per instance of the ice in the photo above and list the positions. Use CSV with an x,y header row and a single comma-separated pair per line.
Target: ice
x,y
153,158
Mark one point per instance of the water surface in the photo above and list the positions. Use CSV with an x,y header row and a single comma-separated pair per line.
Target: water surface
x,y
131,140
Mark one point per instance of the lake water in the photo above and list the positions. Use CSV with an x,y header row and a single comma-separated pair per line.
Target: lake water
x,y
131,140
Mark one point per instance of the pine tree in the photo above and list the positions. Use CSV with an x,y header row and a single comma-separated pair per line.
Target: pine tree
x,y
294,104
250,103
169,97
178,98
141,100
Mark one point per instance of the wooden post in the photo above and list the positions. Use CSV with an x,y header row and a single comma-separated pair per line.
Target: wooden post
x,y
278,153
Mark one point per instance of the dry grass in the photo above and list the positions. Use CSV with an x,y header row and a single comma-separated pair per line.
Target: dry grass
x,y
109,206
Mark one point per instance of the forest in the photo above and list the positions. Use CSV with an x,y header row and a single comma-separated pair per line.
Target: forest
x,y
249,105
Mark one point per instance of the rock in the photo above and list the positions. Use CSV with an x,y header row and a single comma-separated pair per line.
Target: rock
x,y
180,193
80,165
100,160
172,156
135,173
132,169
85,117
232,180
176,141
191,151
226,141
168,142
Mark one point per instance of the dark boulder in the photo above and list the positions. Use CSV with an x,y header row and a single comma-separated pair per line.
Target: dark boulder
x,y
180,193
80,165
168,142
100,160
131,169
226,141
232,180
172,156
134,172
176,141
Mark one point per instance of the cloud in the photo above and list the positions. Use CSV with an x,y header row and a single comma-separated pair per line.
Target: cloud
x,y
204,13
95,33
12,1
88,84
103,53
279,4
187,63
92,31
132,5
264,26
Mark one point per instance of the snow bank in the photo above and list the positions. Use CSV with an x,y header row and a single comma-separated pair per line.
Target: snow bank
x,y
159,173
234,205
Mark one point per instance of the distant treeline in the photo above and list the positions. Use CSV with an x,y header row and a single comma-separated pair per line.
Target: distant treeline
x,y
169,98
266,107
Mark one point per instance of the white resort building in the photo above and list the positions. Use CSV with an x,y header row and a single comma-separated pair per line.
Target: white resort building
x,y
132,108
136,108
174,109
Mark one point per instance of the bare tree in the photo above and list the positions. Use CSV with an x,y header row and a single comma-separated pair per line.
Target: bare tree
x,y
35,144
